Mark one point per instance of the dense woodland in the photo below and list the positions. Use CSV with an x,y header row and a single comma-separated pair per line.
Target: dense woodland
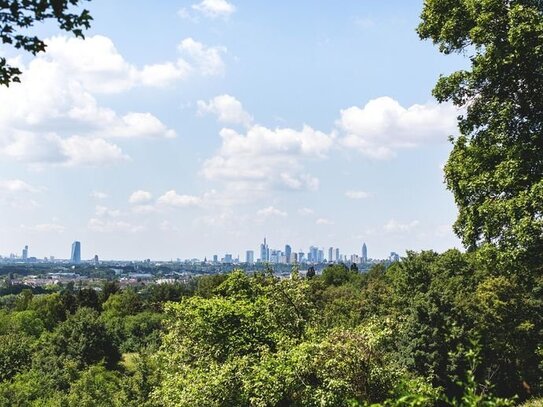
x,y
430,329
457,328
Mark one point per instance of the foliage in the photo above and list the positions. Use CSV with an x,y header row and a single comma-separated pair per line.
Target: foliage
x,y
495,170
17,16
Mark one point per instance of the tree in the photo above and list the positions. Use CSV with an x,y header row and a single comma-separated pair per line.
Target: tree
x,y
16,16
495,170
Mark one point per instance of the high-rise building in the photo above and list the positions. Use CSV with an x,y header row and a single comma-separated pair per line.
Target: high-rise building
x,y
96,260
394,257
313,255
228,259
320,256
264,252
301,257
215,258
364,253
25,253
338,259
76,252
288,254
330,254
250,257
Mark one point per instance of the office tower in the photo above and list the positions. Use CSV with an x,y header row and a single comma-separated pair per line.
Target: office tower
x,y
338,259
288,253
264,252
294,258
313,255
96,260
330,254
215,259
364,253
76,252
250,257
25,253
228,259
320,258
301,257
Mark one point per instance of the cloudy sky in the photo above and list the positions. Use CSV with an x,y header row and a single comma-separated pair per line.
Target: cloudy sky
x,y
192,128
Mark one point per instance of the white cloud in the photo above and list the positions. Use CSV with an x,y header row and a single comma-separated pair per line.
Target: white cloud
x,y
90,151
228,109
112,225
357,194
394,226
215,8
45,227
271,211
172,198
207,60
383,126
306,211
16,186
98,195
324,221
53,116
265,159
104,211
97,64
139,197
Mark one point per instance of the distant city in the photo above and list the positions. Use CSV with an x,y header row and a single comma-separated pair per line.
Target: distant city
x,y
315,255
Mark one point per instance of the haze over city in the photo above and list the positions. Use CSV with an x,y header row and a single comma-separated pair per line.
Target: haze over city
x,y
233,124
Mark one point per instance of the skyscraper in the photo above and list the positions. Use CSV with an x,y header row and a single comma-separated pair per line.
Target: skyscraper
x,y
364,253
250,257
76,252
330,254
288,253
264,252
313,255
338,259
25,253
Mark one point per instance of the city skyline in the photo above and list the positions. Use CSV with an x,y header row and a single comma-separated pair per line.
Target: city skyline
x,y
215,130
313,254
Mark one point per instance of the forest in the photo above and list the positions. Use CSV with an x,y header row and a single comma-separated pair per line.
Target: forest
x,y
459,328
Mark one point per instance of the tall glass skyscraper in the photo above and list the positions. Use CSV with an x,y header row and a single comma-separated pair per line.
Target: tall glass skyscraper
x,y
76,253
364,253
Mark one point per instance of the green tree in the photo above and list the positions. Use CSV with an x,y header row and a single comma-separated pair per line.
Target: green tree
x,y
17,16
82,339
495,170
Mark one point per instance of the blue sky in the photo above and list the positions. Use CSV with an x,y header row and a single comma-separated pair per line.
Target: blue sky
x,y
187,129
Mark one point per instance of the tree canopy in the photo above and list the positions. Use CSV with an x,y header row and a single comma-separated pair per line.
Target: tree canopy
x,y
495,170
17,16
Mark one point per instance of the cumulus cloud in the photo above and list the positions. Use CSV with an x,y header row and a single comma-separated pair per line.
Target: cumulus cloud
x,y
53,116
140,197
98,195
207,60
97,64
108,220
214,8
357,194
227,108
16,185
383,126
264,159
394,226
173,199
271,211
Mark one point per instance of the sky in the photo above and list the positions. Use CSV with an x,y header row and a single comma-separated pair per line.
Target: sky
x,y
184,129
